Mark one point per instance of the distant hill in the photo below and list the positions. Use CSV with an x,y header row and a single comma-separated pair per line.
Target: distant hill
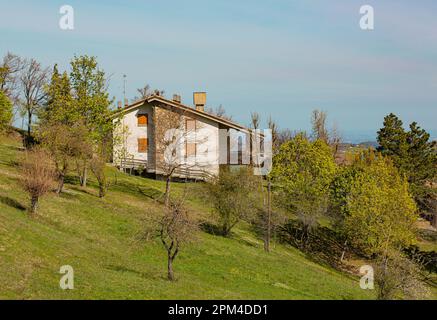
x,y
367,144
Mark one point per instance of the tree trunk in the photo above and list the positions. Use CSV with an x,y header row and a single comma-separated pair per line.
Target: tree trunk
x,y
29,123
269,217
84,175
62,174
102,190
33,205
170,273
344,251
305,236
60,184
434,220
227,227
167,191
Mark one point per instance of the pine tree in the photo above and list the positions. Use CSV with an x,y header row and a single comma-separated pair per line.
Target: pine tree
x,y
413,154
60,108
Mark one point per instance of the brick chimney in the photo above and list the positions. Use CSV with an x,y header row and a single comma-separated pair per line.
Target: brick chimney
x,y
177,98
199,100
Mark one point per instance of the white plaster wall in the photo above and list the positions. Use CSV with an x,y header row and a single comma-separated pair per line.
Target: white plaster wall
x,y
134,132
207,139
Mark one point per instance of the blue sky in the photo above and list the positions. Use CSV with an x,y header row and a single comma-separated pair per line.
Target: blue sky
x,y
279,58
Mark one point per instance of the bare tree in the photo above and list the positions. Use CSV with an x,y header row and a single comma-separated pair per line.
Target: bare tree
x,y
10,68
37,175
33,79
318,121
174,139
398,277
147,91
335,140
267,219
219,112
98,165
121,152
65,144
320,131
255,120
176,230
284,135
273,126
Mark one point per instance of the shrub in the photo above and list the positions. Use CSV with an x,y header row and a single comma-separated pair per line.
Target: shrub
x,y
233,197
37,175
5,112
398,277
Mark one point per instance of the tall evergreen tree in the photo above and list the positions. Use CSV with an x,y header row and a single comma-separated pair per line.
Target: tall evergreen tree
x,y
60,108
413,154
392,140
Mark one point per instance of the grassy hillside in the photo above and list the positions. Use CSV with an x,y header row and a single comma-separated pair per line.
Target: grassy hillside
x,y
100,239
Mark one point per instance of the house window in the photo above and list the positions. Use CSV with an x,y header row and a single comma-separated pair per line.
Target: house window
x,y
190,149
142,145
142,120
190,125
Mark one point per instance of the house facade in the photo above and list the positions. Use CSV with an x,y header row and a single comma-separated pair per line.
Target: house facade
x,y
158,135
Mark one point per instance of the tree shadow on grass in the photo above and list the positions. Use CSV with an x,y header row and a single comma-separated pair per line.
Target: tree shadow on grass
x,y
137,190
151,193
428,235
211,228
12,203
216,230
323,245
81,190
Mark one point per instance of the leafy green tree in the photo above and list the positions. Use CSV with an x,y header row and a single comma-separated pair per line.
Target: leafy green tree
x,y
340,189
413,154
89,86
60,128
60,108
301,175
5,112
91,99
233,196
381,213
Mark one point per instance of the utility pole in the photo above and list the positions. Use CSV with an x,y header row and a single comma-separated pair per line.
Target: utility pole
x,y
269,218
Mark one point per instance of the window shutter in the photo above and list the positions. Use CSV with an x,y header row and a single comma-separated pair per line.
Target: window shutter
x,y
142,145
190,149
190,125
143,120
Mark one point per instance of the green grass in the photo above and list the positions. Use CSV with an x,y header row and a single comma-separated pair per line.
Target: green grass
x,y
99,239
